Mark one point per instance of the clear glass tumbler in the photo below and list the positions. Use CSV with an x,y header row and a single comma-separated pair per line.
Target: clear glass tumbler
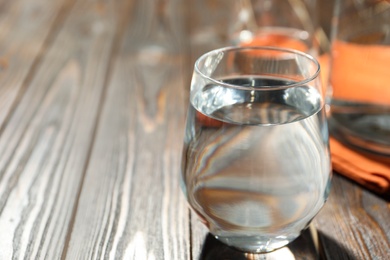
x,y
256,164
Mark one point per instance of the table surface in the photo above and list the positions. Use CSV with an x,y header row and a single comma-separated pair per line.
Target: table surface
x,y
93,95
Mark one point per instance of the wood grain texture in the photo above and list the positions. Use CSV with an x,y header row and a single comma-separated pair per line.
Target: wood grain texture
x,y
26,29
131,205
93,96
45,145
354,224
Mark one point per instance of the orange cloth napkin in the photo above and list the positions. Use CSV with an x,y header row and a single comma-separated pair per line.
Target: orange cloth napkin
x,y
370,172
349,79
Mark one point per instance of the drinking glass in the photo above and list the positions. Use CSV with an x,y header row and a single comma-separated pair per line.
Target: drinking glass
x,y
256,164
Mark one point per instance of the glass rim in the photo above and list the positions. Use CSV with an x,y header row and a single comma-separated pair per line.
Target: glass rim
x,y
264,48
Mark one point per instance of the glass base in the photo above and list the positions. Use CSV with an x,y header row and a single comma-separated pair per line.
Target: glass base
x,y
256,244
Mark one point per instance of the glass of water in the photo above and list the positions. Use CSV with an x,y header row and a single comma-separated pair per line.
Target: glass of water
x,y
256,164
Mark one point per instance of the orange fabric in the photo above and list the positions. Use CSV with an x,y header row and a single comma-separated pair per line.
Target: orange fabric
x,y
207,121
273,40
368,171
361,72
276,40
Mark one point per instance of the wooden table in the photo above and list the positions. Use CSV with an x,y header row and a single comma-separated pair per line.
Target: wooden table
x,y
93,95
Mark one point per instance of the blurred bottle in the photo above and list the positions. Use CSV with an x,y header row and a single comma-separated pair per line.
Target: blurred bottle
x,y
283,23
360,74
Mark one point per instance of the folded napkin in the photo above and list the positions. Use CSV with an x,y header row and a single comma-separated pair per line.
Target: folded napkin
x,y
367,170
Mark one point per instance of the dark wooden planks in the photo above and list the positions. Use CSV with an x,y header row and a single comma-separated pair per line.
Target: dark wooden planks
x,y
354,224
131,205
45,144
